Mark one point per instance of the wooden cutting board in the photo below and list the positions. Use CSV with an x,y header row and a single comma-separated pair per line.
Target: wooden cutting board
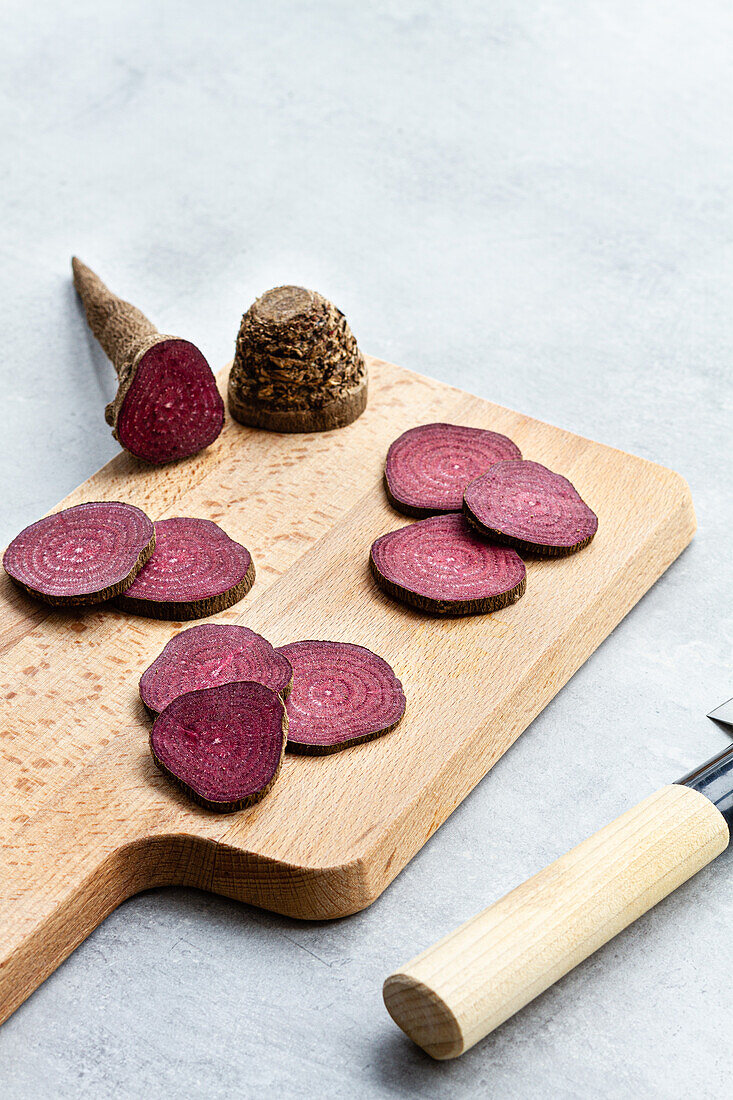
x,y
86,818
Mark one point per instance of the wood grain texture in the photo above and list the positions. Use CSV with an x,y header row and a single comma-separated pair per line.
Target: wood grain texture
x,y
474,979
87,819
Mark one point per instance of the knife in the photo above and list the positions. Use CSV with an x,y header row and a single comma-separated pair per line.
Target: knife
x,y
464,986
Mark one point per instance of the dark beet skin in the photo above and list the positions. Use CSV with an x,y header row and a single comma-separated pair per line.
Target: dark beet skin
x,y
439,565
342,694
429,467
223,746
81,555
173,408
525,505
209,655
196,570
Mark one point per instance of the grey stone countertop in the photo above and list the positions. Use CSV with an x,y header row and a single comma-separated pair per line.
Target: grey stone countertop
x,y
531,200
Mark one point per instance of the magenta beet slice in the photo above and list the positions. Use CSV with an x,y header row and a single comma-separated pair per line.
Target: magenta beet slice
x,y
209,655
173,408
441,566
223,746
429,467
523,504
82,555
342,694
196,570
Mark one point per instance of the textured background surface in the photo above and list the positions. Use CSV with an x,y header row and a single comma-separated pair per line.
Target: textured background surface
x,y
532,201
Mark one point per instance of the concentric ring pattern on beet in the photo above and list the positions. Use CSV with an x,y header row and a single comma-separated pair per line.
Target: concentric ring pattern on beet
x,y
342,694
440,565
82,555
222,746
196,570
209,655
525,505
173,408
428,467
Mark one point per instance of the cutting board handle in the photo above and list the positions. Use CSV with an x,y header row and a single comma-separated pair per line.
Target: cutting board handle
x,y
54,891
463,987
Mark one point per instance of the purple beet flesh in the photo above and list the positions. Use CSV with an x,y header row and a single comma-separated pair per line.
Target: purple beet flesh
x,y
523,504
209,655
222,746
82,555
342,694
441,566
196,570
429,467
173,408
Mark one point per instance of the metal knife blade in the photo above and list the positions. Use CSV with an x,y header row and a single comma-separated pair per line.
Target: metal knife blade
x,y
723,713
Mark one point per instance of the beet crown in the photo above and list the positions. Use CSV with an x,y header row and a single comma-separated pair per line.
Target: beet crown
x,y
297,367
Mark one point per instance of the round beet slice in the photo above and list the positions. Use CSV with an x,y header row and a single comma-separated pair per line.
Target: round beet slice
x,y
196,570
209,655
429,467
81,555
342,694
441,566
223,746
524,504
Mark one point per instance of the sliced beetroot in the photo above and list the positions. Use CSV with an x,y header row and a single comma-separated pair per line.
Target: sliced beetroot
x,y
172,407
196,570
223,746
429,467
167,405
523,504
441,566
342,694
81,555
209,655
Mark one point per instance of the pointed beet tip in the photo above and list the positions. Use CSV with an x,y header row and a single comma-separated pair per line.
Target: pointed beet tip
x,y
78,270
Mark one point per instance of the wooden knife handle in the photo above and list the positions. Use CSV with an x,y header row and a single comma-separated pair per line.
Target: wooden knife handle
x,y
474,979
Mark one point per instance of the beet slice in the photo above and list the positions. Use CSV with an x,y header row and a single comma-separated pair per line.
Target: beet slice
x,y
167,405
342,694
196,570
523,504
429,467
82,555
209,655
441,566
223,746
